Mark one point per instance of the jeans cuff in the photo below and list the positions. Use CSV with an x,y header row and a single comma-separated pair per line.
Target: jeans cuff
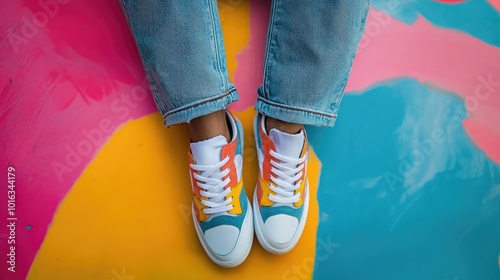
x,y
187,113
295,115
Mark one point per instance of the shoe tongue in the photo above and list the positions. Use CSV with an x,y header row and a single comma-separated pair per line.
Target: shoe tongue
x,y
208,152
287,144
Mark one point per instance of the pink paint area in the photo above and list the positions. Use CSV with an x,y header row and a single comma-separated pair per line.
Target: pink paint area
x,y
448,59
68,78
249,73
496,4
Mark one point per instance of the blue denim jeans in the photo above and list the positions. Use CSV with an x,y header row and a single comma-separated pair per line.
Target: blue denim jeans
x,y
309,52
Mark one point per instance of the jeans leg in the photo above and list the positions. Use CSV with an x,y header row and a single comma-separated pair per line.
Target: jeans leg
x,y
182,50
310,48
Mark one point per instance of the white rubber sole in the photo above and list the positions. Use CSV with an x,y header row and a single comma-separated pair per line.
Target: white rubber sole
x,y
242,247
265,242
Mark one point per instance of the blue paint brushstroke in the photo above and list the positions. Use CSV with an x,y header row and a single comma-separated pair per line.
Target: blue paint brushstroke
x,y
477,18
404,192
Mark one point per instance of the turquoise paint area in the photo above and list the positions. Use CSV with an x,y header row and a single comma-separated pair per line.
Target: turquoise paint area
x,y
477,18
404,192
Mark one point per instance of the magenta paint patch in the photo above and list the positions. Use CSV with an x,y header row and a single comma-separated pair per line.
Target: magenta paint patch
x,y
69,77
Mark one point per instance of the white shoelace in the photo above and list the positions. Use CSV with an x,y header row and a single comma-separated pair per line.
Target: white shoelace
x,y
287,171
213,187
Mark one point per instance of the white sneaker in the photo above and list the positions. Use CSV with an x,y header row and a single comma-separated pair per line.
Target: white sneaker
x,y
280,201
222,213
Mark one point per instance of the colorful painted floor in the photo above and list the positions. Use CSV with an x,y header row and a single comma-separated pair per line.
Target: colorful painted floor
x,y
410,175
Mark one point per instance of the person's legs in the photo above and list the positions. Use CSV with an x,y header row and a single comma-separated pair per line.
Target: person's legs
x,y
309,53
310,49
182,50
181,47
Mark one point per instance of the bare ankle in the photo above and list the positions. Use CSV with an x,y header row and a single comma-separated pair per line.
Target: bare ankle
x,y
283,126
209,126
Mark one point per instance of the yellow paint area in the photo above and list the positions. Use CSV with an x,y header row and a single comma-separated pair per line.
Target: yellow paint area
x,y
129,215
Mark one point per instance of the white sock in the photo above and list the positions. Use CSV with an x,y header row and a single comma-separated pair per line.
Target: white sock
x,y
287,144
208,152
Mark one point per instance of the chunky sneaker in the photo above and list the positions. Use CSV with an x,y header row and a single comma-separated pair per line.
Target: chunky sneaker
x,y
221,210
280,201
